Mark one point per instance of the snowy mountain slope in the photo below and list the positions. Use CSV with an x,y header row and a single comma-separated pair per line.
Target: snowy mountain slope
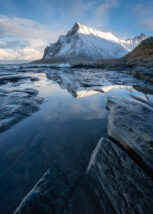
x,y
83,43
130,44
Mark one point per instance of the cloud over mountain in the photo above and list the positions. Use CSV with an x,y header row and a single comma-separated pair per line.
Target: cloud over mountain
x,y
23,39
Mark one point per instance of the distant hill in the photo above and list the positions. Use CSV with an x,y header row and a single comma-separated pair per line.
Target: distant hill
x,y
143,52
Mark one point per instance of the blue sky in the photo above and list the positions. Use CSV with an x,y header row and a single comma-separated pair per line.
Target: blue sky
x,y
27,26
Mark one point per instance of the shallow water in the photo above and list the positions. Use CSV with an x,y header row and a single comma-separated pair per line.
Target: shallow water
x,y
59,124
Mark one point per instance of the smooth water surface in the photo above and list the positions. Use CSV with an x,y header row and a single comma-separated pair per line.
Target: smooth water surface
x,y
52,117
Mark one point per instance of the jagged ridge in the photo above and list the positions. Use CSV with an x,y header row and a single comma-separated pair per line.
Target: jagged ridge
x,y
144,52
84,43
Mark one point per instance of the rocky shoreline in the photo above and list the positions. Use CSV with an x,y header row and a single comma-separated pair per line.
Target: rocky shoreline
x,y
119,176
141,70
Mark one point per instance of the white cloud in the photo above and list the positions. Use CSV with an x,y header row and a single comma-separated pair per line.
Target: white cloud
x,y
3,54
98,7
29,38
92,12
22,54
105,7
24,28
23,39
31,51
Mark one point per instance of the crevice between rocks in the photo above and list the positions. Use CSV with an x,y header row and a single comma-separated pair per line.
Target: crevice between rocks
x,y
135,157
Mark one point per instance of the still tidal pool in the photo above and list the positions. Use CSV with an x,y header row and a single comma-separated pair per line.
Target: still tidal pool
x,y
62,132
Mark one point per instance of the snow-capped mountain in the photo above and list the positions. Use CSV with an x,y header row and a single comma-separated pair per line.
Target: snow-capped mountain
x,y
84,43
130,44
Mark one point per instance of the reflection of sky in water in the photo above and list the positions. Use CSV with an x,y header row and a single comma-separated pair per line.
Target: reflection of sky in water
x,y
60,105
65,131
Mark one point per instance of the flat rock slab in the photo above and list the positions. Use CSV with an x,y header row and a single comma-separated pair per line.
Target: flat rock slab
x,y
131,124
144,75
48,196
113,184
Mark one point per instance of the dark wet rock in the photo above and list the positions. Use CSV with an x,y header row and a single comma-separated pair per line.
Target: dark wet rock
x,y
30,91
33,79
16,105
28,69
21,70
11,78
144,75
48,196
91,79
130,123
141,70
54,194
98,89
149,103
27,107
145,90
112,184
27,66
109,65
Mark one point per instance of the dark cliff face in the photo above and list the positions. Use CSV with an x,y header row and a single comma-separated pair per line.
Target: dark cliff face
x,y
51,51
138,39
144,52
74,29
46,51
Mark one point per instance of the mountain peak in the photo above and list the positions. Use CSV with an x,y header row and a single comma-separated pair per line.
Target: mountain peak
x,y
76,27
143,35
77,24
139,39
84,43
79,28
143,52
